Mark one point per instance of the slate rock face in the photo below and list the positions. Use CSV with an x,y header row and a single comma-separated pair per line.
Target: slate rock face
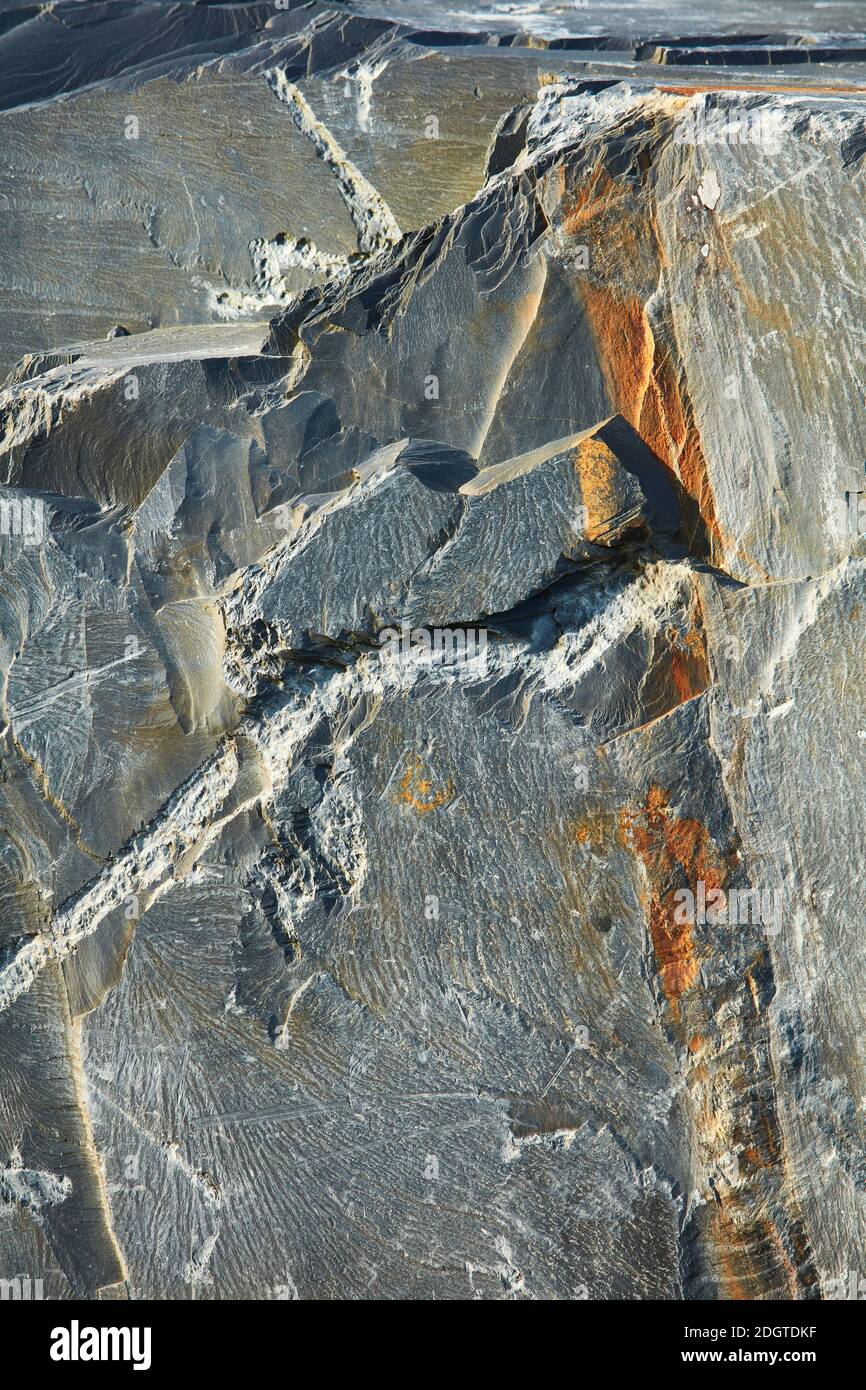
x,y
432,579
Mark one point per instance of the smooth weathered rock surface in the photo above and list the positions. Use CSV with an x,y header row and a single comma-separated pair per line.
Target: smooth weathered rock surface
x,y
331,971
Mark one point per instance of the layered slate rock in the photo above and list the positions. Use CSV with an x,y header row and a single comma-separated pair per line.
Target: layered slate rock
x,y
196,163
338,963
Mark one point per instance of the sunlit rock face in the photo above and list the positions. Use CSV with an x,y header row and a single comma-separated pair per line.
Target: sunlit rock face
x,y
432,593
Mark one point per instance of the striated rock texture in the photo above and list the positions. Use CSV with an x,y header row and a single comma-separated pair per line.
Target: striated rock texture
x,y
432,593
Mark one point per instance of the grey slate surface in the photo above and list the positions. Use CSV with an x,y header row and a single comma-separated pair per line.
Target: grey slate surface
x,y
331,971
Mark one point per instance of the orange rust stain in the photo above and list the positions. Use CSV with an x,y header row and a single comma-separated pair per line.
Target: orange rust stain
x,y
753,1254
625,345
591,201
643,381
597,469
753,991
594,829
690,668
676,852
416,790
643,387
772,1139
750,1248
747,1247
639,373
662,418
666,422
755,1157
695,478
675,951
822,90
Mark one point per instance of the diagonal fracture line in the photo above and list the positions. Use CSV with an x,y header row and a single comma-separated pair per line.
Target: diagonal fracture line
x,y
144,867
192,817
374,221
